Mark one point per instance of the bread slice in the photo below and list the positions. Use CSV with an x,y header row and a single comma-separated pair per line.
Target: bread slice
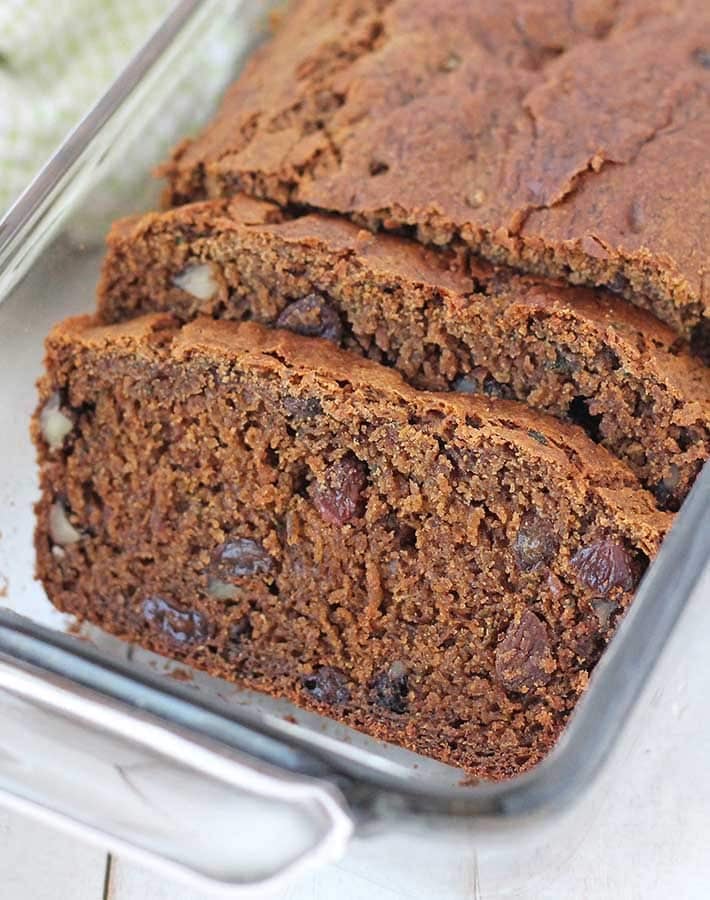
x,y
585,356
438,570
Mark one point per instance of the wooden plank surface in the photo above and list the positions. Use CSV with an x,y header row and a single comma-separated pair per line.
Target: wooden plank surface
x,y
39,863
131,882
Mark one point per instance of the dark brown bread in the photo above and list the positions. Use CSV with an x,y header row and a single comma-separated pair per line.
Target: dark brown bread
x,y
567,139
585,356
438,570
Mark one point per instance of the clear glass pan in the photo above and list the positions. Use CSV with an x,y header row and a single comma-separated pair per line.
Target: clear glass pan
x,y
94,702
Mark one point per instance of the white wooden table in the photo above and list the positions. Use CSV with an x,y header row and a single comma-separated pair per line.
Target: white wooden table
x,y
649,836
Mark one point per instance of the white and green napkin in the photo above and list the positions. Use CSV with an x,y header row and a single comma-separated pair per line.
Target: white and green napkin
x,y
56,59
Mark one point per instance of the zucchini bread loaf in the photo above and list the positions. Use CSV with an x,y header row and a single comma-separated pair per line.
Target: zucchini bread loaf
x,y
583,355
343,502
567,139
439,570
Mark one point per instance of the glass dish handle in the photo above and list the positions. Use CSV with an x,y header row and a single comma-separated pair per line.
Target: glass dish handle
x,y
158,792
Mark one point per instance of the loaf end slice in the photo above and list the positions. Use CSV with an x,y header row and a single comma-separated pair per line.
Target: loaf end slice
x,y
567,144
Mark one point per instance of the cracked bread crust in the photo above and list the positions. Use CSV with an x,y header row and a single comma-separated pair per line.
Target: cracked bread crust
x,y
581,355
437,570
567,139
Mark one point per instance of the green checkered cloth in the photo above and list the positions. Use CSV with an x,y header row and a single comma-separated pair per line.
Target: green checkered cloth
x,y
56,59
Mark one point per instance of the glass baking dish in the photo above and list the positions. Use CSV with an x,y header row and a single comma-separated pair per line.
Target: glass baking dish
x,y
184,771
